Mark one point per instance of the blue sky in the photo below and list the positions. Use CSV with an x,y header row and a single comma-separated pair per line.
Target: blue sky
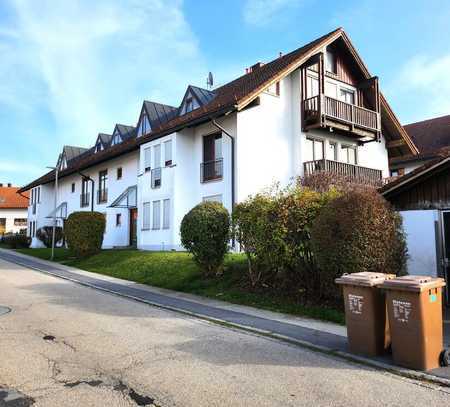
x,y
69,70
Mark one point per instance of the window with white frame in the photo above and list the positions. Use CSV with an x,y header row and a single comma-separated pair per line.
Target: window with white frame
x,y
349,154
166,214
313,149
157,156
156,221
347,95
213,198
330,62
332,151
168,153
146,215
147,159
144,125
312,86
116,138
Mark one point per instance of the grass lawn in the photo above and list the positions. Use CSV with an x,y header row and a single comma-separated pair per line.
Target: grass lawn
x,y
177,271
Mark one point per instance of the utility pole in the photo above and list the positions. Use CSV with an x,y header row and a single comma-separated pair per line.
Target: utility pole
x,y
54,210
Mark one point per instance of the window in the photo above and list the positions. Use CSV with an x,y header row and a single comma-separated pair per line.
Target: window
x,y
331,89
99,147
189,104
146,216
144,125
347,95
116,139
147,159
118,219
73,187
332,151
397,172
314,149
102,190
119,173
166,214
157,156
2,226
349,155
213,198
212,166
39,195
168,153
156,221
330,62
19,221
274,89
312,86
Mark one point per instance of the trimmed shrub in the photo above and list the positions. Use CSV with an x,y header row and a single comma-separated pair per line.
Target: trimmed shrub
x,y
358,231
205,232
16,240
45,235
84,232
257,229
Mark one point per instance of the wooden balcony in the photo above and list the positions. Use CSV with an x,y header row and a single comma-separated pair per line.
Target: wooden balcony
x,y
357,173
325,111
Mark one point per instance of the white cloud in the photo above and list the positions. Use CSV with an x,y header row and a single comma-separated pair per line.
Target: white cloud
x,y
89,64
262,12
424,83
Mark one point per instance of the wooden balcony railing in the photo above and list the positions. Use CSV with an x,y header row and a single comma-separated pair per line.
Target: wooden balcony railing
x,y
360,174
335,109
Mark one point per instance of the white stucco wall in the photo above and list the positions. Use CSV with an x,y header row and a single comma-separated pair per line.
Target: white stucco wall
x,y
421,240
9,215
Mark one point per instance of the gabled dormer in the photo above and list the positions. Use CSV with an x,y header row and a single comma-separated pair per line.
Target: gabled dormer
x,y
154,115
194,98
116,137
103,141
68,154
121,133
62,161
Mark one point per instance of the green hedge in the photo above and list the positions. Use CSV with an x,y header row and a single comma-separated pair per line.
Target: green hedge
x,y
16,240
84,232
205,232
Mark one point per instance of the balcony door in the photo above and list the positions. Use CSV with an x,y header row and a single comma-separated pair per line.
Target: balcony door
x,y
314,150
212,147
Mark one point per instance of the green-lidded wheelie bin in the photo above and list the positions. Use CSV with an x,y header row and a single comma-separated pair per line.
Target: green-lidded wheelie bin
x,y
365,312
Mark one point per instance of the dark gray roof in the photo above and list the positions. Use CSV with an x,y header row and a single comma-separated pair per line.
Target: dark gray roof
x,y
126,131
159,114
71,152
203,95
105,139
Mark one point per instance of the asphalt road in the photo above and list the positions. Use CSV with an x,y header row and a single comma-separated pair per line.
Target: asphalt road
x,y
63,344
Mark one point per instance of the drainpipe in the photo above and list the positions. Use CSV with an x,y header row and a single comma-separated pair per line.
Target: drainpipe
x,y
92,188
233,199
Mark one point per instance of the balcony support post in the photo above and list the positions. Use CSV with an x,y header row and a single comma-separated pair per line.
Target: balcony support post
x,y
321,74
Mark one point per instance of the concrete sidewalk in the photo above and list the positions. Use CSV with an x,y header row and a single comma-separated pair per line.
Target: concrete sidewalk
x,y
320,336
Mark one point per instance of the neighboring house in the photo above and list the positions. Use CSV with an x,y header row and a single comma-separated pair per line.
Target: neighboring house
x,y
431,137
315,109
13,210
423,199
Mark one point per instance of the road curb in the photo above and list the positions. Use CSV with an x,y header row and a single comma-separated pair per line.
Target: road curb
x,y
399,371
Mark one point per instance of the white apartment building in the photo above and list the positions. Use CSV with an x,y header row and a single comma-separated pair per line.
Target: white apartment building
x,y
13,210
315,109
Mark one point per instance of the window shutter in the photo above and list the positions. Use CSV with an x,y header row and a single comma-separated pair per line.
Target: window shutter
x,y
147,159
156,214
166,214
168,153
146,215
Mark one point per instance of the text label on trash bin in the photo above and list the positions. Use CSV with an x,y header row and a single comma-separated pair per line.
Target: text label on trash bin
x,y
355,303
402,310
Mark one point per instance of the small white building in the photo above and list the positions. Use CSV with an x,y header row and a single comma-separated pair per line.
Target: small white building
x,y
315,109
13,210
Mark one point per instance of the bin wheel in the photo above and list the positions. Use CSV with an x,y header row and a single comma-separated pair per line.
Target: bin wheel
x,y
445,357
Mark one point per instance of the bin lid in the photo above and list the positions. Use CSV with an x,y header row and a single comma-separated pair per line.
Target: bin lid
x,y
364,278
414,283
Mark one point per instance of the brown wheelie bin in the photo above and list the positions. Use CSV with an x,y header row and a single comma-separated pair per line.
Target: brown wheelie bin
x,y
415,318
365,312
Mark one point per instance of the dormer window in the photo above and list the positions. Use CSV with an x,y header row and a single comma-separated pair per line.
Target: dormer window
x,y
116,139
189,105
99,147
144,126
330,62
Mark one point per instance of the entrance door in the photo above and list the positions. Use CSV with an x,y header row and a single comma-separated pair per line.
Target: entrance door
x,y
133,227
446,253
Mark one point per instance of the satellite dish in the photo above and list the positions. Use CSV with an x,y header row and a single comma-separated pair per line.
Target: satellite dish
x,y
210,80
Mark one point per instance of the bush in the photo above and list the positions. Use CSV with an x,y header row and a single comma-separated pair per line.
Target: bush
x,y
256,228
16,240
358,231
205,232
45,235
84,232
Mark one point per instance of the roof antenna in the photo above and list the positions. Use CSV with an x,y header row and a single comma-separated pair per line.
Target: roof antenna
x,y
209,81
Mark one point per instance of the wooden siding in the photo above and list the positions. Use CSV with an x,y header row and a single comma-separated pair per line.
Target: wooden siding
x,y
428,192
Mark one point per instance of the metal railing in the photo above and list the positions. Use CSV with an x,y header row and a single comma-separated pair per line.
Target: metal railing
x,y
341,111
364,175
102,196
156,177
84,200
211,170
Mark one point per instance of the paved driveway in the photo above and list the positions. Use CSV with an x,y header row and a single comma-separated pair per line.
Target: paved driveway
x,y
67,345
